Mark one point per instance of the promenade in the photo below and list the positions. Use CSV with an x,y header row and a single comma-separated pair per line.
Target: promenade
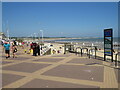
x,y
57,71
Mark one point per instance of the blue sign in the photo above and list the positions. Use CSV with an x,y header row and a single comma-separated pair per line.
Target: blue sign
x,y
108,33
108,43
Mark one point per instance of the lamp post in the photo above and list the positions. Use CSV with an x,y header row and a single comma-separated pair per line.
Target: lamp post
x,y
42,35
32,37
35,35
8,33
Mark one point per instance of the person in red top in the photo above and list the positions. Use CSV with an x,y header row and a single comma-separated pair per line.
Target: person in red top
x,y
34,47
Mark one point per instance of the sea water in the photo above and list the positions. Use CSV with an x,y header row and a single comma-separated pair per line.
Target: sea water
x,y
99,42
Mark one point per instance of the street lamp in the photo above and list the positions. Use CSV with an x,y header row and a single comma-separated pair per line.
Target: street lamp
x,y
32,37
42,35
35,35
8,34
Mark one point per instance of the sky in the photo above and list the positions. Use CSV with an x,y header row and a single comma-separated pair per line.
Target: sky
x,y
0,16
59,19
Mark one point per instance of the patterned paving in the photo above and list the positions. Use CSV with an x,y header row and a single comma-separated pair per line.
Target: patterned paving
x,y
77,72
60,71
53,84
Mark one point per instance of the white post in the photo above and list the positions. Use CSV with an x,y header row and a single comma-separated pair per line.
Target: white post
x,y
32,37
42,35
8,33
35,35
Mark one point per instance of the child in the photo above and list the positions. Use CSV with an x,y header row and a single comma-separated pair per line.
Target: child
x,y
25,50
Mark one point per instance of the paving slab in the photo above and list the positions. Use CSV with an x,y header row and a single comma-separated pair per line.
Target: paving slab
x,y
64,55
0,79
49,60
78,72
26,67
19,53
17,58
9,78
39,83
86,61
83,55
2,57
117,73
20,58
5,62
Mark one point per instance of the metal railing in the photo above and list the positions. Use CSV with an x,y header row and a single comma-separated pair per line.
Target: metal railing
x,y
91,50
81,50
116,59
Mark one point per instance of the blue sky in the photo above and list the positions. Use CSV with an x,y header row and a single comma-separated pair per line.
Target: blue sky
x,y
0,16
56,19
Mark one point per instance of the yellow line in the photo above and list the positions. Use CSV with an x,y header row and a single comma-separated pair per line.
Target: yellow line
x,y
110,80
54,65
44,77
55,57
81,64
70,80
42,62
30,77
16,73
20,82
9,60
18,62
109,76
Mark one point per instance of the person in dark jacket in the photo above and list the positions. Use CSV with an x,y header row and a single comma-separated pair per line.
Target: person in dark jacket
x,y
33,46
38,49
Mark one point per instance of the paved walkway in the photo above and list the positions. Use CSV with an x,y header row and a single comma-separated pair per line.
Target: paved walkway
x,y
59,71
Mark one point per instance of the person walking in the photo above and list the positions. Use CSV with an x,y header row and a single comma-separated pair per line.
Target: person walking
x,y
33,46
14,50
7,49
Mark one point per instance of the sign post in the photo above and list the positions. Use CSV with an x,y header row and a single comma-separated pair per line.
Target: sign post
x,y
108,43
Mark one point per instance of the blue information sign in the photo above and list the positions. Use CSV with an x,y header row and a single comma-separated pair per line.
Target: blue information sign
x,y
108,33
108,43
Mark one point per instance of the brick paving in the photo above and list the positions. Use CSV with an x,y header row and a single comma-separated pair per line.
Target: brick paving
x,y
57,71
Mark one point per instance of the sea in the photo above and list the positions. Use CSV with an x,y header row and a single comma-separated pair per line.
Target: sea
x,y
99,42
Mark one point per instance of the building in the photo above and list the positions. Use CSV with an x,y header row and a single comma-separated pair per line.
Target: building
x,y
2,35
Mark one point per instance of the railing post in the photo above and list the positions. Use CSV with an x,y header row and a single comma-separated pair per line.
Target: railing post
x,y
65,49
76,51
89,53
95,53
115,59
81,52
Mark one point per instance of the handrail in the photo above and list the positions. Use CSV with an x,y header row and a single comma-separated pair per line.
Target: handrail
x,y
116,60
94,50
80,50
45,50
86,49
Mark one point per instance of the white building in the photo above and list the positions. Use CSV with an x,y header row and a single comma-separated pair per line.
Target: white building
x,y
2,35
